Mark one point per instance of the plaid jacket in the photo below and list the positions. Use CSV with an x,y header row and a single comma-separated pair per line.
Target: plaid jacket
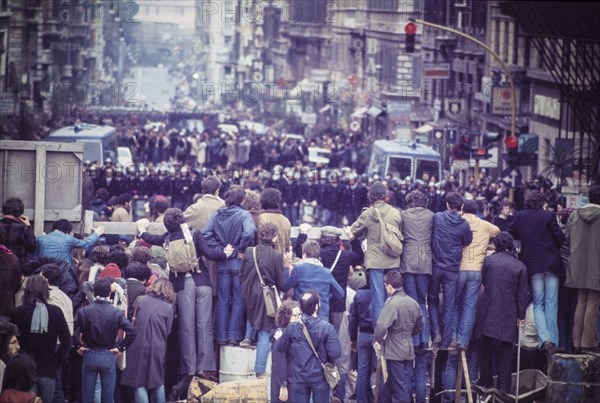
x,y
18,238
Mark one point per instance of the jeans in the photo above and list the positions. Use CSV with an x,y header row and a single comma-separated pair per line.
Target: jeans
x,y
415,286
230,308
103,363
194,308
59,396
463,312
263,347
366,357
156,395
44,387
397,387
545,306
250,333
585,325
302,391
330,217
421,371
447,280
291,212
378,293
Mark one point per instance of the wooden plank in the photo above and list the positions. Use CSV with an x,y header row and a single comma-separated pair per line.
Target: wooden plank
x,y
463,359
88,221
125,228
53,214
459,378
314,233
40,191
48,145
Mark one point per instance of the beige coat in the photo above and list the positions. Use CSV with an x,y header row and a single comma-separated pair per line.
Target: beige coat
x,y
197,216
284,227
474,254
120,215
367,227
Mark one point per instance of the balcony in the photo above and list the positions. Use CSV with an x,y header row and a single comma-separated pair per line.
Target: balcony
x,y
304,30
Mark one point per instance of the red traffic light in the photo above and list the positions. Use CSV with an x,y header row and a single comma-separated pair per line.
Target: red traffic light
x,y
511,142
410,28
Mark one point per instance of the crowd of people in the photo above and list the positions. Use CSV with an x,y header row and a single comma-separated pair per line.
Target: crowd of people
x,y
391,280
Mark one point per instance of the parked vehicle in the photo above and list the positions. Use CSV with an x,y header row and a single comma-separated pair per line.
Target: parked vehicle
x,y
99,142
402,158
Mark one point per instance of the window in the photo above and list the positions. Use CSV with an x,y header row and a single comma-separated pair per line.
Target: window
x,y
431,168
382,5
399,167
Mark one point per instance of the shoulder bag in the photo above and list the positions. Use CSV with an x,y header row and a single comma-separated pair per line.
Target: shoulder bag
x,y
336,260
332,375
391,238
270,294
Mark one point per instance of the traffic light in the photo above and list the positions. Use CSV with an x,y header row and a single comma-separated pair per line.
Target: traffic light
x,y
451,135
462,149
410,31
329,93
480,153
511,142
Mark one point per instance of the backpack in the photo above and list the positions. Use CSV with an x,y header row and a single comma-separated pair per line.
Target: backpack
x,y
181,255
391,238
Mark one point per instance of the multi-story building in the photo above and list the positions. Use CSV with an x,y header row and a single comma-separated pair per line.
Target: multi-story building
x,y
4,25
51,57
553,65
216,23
552,73
351,54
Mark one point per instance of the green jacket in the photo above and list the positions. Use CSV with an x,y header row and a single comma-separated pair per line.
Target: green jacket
x,y
583,271
400,319
367,227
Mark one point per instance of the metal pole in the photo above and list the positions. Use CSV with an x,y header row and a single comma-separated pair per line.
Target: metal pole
x,y
518,365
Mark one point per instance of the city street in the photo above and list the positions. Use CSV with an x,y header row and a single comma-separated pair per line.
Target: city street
x,y
347,200
156,88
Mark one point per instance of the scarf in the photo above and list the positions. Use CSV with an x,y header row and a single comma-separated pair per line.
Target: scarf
x,y
39,320
106,299
310,260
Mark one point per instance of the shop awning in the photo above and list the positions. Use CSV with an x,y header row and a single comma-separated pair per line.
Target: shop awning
x,y
359,113
374,111
424,129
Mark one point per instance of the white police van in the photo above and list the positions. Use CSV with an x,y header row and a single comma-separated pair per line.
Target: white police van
x,y
401,158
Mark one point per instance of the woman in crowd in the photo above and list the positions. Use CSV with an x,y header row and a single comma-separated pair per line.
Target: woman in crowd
x,y
270,264
40,325
288,312
19,381
153,320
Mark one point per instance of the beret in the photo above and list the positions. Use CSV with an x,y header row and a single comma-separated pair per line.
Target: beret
x,y
331,231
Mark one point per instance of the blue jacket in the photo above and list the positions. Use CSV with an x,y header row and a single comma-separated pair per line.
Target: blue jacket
x,y
308,276
230,225
59,245
360,313
541,239
451,233
305,367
